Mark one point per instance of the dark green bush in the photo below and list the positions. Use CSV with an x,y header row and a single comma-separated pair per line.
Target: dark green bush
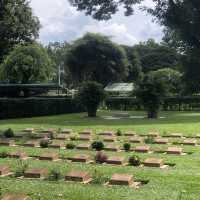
x,y
3,154
149,140
98,145
70,146
54,175
134,161
44,143
9,133
119,132
127,146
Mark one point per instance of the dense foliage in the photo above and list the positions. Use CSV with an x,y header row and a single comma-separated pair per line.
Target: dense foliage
x,y
91,94
18,24
150,94
28,63
94,57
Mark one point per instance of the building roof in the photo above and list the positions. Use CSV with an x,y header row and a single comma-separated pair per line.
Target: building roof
x,y
120,87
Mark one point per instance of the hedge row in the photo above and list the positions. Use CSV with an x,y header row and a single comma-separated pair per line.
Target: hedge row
x,y
170,103
29,107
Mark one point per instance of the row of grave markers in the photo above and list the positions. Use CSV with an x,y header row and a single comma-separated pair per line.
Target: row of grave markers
x,y
86,146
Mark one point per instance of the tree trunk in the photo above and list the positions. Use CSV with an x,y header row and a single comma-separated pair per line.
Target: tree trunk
x,y
92,112
152,114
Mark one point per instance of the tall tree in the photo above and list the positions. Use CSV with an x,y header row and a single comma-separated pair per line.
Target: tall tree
x,y
94,57
155,56
25,64
17,24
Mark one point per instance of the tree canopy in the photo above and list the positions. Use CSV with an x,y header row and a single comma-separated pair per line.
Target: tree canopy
x,y
17,24
94,57
104,9
28,63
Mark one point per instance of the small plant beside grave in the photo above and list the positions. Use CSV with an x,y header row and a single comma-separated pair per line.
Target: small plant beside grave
x,y
22,166
9,133
3,154
44,143
98,145
149,140
70,146
119,132
54,175
127,146
134,160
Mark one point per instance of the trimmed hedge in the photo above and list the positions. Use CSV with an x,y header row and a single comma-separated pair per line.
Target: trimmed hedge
x,y
30,107
181,103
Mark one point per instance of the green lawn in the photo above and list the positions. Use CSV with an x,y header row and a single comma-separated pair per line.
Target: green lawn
x,y
179,182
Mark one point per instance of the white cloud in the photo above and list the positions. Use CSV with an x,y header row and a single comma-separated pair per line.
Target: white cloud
x,y
61,22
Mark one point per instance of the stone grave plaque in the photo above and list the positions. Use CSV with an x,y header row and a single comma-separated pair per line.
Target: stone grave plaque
x,y
121,179
174,150
142,149
161,141
135,139
18,155
116,160
49,157
153,162
112,147
5,170
36,173
81,158
32,143
78,176
15,197
83,146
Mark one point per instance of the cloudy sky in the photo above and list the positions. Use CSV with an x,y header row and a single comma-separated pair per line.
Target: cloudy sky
x,y
61,22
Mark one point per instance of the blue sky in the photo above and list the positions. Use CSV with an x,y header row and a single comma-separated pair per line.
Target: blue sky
x,y
61,22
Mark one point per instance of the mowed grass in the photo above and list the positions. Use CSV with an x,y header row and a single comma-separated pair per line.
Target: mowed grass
x,y
179,182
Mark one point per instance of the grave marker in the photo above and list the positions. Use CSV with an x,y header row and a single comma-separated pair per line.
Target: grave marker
x,y
15,197
174,150
83,146
78,176
49,157
112,147
142,149
161,141
5,171
36,173
116,160
154,162
121,179
7,142
81,158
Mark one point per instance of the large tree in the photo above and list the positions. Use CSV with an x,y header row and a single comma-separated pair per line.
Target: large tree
x,y
17,24
94,57
155,56
25,64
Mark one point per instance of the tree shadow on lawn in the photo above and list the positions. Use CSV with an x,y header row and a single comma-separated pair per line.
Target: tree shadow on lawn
x,y
81,119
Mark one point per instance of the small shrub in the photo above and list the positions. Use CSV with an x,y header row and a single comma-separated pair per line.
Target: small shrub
x,y
3,154
44,143
98,177
119,132
70,146
100,157
54,175
134,160
9,133
98,145
73,137
127,146
149,140
21,168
